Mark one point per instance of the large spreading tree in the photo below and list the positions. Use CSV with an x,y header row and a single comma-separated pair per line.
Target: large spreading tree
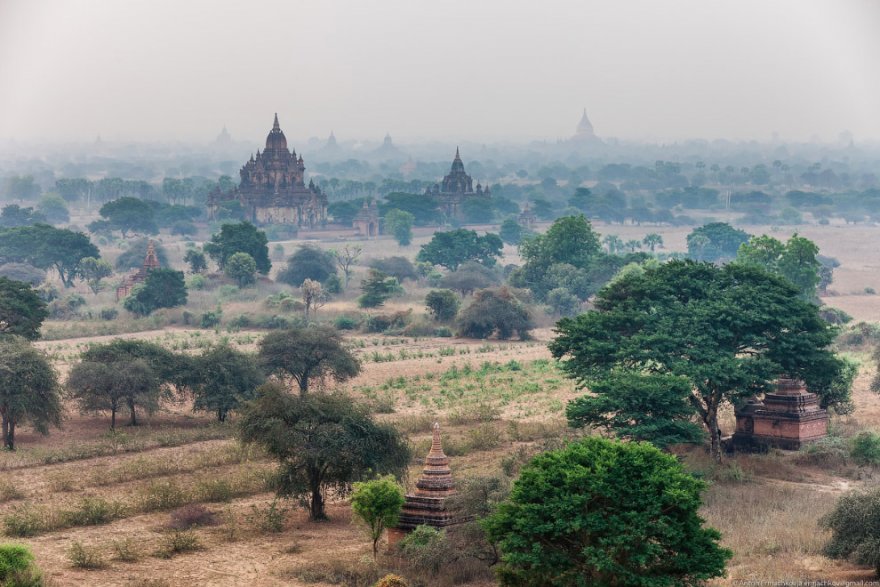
x,y
126,215
47,247
605,514
321,441
163,288
451,249
730,331
797,260
224,378
29,390
305,354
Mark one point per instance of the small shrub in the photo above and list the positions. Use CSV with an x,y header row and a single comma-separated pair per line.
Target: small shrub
x,y
270,519
870,291
9,492
109,313
855,529
23,522
92,511
866,448
178,542
828,452
214,490
85,557
426,549
191,515
125,551
210,319
162,495
347,323
392,581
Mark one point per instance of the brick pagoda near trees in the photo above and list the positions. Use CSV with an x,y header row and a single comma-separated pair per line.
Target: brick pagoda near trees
x,y
788,418
427,505
151,261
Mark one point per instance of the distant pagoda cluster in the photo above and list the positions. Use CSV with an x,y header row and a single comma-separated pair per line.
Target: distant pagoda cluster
x,y
273,189
457,187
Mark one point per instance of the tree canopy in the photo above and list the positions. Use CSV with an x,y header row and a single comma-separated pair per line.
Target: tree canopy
x,y
29,390
22,310
399,224
242,268
224,379
605,513
377,503
796,260
308,262
304,354
163,288
377,288
495,311
716,241
45,246
451,249
730,331
129,214
322,441
242,237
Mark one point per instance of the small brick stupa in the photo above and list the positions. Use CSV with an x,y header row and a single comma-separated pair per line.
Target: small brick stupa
x,y
789,418
151,261
427,505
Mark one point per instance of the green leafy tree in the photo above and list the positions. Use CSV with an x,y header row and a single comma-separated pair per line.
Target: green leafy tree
x,y
451,249
377,288
652,241
14,215
157,370
29,390
398,267
73,189
321,442
242,268
562,302
469,277
613,243
54,209
308,262
163,288
399,224
240,238
304,354
129,214
443,304
110,387
716,241
224,379
94,270
377,503
639,406
46,247
571,243
730,331
511,232
22,310
605,513
196,261
313,296
495,311
855,529
424,208
796,260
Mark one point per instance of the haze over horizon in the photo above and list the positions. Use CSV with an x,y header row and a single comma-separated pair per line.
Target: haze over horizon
x,y
488,71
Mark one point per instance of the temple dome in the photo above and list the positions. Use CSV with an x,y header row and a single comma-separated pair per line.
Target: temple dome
x,y
276,139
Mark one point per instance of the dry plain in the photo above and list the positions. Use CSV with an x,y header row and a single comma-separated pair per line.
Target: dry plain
x,y
494,399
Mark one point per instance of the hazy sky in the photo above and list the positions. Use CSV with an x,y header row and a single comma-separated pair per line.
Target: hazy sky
x,y
453,69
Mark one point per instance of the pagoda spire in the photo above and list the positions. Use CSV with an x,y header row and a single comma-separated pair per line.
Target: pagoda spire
x,y
276,126
457,156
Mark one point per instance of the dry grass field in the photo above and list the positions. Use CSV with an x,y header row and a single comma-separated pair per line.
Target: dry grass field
x,y
105,499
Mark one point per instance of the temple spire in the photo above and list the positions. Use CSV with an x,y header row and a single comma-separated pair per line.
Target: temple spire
x,y
457,156
276,126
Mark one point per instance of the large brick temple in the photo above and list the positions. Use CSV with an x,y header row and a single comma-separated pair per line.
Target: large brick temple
x,y
456,188
273,188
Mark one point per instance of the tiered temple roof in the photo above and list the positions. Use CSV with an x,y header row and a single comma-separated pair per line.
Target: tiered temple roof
x,y
273,189
427,505
456,186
